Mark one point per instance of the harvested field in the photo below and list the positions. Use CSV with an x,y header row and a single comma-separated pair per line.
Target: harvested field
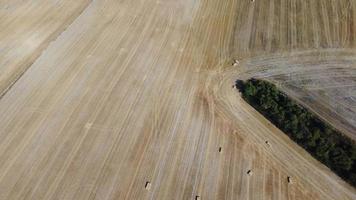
x,y
324,81
26,29
139,91
306,47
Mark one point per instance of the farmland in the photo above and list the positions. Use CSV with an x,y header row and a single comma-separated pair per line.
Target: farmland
x,y
127,92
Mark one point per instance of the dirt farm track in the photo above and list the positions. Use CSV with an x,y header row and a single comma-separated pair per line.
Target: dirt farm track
x,y
133,99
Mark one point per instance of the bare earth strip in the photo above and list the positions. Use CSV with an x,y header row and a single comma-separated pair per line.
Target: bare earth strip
x,y
140,90
26,29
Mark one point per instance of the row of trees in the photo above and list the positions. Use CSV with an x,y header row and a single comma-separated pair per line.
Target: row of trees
x,y
322,141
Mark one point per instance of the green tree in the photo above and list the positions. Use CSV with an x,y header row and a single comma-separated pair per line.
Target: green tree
x,y
249,90
340,159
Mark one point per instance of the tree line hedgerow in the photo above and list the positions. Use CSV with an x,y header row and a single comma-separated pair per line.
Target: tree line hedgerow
x,y
327,145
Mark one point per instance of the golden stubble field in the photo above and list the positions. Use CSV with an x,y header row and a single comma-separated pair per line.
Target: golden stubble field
x,y
101,97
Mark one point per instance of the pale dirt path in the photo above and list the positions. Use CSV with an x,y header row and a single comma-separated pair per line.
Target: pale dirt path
x,y
130,93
